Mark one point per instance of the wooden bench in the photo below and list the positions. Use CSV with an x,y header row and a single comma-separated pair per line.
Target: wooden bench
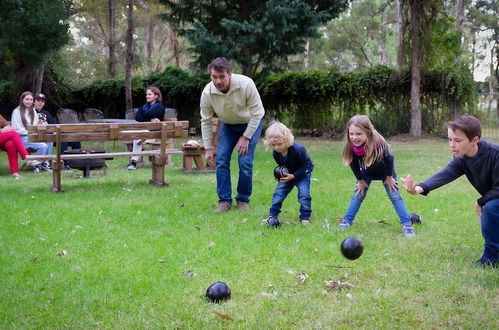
x,y
108,132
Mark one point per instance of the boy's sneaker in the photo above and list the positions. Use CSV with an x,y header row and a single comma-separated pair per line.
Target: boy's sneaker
x,y
46,167
485,264
37,169
408,231
305,221
132,166
273,221
344,225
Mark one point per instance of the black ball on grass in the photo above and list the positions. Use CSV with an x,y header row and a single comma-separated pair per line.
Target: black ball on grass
x,y
415,218
280,172
217,292
352,248
273,222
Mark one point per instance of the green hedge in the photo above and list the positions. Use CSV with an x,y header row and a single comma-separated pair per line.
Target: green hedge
x,y
311,103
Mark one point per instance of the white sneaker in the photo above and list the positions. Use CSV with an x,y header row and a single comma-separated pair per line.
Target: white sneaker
x,y
132,166
46,167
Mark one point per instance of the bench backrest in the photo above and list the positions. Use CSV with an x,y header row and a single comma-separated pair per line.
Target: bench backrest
x,y
107,131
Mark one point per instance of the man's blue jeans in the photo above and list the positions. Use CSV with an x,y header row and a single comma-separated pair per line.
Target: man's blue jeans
x,y
283,189
395,198
227,141
490,230
41,148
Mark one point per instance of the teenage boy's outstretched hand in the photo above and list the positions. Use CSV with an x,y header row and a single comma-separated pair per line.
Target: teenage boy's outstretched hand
x,y
409,185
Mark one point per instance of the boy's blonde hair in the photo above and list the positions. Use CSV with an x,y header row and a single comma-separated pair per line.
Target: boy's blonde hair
x,y
278,132
376,144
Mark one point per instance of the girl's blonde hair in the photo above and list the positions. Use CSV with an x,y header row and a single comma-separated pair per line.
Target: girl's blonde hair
x,y
278,132
376,144
23,110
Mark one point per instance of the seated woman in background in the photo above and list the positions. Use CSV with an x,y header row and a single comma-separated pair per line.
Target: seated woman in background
x,y
154,111
11,142
23,116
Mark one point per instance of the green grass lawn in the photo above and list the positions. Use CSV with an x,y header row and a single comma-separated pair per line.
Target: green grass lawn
x,y
115,252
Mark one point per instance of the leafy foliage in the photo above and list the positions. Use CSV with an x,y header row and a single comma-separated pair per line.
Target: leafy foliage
x,y
253,33
31,29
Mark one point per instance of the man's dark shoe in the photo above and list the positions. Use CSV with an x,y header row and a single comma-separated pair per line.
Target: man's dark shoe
x,y
242,206
222,207
485,264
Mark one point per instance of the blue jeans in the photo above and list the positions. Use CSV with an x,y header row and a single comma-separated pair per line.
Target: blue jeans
x,y
490,230
41,148
395,198
227,141
283,189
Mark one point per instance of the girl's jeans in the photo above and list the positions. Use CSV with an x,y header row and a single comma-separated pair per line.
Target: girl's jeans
x,y
41,148
395,198
227,141
283,189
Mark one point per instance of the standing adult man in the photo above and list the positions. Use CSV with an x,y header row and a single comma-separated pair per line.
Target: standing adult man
x,y
44,118
235,100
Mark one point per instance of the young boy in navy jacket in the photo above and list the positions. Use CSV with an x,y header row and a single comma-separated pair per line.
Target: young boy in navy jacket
x,y
294,157
479,161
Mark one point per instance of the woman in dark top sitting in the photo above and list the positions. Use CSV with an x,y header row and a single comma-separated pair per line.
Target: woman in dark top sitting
x,y
154,111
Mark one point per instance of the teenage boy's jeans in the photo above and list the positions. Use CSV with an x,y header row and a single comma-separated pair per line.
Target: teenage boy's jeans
x,y
41,148
283,189
227,141
395,198
490,230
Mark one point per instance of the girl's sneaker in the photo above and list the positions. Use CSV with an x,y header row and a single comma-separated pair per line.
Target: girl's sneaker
x,y
16,176
344,225
408,231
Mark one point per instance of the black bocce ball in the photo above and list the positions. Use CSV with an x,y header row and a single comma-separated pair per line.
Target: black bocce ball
x,y
415,218
351,248
280,172
273,222
217,292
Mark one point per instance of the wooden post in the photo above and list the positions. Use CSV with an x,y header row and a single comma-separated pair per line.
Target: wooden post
x,y
57,167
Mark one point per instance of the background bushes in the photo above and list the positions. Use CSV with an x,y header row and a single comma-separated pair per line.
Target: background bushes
x,y
317,103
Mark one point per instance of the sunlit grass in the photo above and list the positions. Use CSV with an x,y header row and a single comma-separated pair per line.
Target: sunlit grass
x,y
115,252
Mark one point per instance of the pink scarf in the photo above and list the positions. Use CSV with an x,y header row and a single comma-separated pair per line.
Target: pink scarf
x,y
359,151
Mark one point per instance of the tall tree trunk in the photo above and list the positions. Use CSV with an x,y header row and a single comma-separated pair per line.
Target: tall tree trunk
x,y
400,37
305,55
38,78
148,44
129,55
175,47
459,15
490,97
416,13
111,65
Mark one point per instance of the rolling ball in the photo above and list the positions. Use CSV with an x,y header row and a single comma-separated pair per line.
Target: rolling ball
x,y
280,172
217,292
351,248
273,222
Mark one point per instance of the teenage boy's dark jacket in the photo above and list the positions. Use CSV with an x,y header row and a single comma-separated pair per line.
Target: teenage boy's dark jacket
x,y
45,116
482,171
297,161
147,112
377,171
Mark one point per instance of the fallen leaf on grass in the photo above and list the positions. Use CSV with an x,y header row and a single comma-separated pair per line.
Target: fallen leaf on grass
x,y
383,222
302,277
266,294
349,296
197,228
161,261
257,181
338,285
210,245
223,316
62,254
182,204
245,220
25,223
190,273
34,259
